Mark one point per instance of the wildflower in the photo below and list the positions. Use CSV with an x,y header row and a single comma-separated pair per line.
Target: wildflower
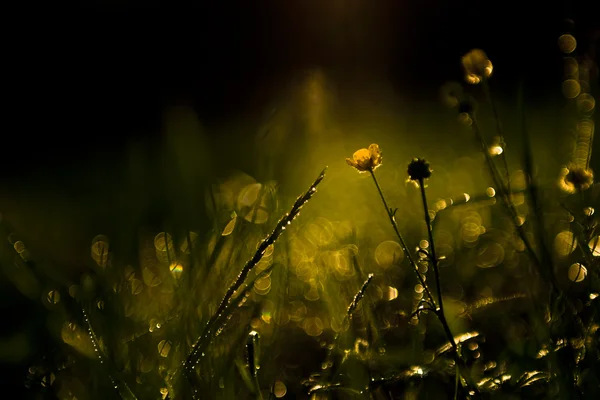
x,y
418,169
366,160
477,66
575,178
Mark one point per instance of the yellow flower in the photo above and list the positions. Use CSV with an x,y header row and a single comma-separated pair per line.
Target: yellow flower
x,y
477,66
365,160
574,178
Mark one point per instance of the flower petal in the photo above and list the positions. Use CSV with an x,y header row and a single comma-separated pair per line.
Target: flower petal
x,y
375,155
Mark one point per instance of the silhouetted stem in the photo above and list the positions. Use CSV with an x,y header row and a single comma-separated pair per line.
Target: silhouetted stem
x,y
392,218
433,257
439,312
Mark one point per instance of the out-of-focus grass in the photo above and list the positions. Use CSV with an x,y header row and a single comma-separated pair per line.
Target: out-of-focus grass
x,y
149,306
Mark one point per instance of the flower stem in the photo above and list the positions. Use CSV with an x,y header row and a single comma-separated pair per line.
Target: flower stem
x,y
433,257
392,218
439,312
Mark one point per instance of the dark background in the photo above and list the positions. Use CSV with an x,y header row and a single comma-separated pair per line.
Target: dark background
x,y
82,84
86,81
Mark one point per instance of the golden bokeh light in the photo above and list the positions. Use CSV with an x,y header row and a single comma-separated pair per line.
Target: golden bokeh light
x,y
262,286
313,326
279,389
53,297
571,88
594,246
100,247
229,228
496,150
163,244
176,269
567,43
164,347
389,253
256,202
490,255
19,246
564,243
585,103
577,272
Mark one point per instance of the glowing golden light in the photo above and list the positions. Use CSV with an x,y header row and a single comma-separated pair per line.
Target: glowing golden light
x,y
279,389
575,178
19,246
571,66
100,248
53,297
577,272
594,246
571,88
564,243
176,269
465,119
441,204
519,220
496,150
389,253
567,43
490,192
230,227
477,66
163,244
392,293
262,286
490,255
164,392
585,103
164,347
255,203
313,326
319,232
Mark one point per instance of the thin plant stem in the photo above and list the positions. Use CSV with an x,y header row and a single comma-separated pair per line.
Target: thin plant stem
x,y
391,216
433,257
439,311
